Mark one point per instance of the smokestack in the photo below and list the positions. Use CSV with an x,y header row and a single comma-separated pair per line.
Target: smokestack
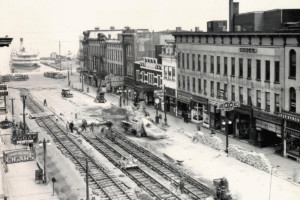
x,y
236,8
230,19
21,44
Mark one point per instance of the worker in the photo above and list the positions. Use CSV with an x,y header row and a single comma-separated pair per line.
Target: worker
x,y
181,184
92,127
71,126
45,102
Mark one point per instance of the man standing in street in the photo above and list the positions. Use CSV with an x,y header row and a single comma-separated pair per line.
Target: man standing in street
x,y
45,102
71,126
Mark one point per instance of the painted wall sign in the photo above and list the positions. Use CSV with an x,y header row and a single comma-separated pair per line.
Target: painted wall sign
x,y
18,156
248,50
6,124
268,126
27,138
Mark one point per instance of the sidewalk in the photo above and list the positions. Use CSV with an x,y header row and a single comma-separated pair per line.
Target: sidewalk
x,y
285,168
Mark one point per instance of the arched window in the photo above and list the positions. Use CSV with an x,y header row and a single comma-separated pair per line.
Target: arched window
x,y
292,63
292,99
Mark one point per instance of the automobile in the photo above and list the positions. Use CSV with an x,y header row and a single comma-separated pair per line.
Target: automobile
x,y
60,76
66,93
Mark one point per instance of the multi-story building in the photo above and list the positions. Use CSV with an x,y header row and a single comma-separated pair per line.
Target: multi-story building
x,y
168,56
217,26
259,70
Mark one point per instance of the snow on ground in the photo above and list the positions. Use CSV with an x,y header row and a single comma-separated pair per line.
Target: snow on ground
x,y
205,163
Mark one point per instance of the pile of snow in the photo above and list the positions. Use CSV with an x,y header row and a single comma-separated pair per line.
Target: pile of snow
x,y
258,161
208,140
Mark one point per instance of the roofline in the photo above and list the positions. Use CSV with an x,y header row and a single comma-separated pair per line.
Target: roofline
x,y
235,33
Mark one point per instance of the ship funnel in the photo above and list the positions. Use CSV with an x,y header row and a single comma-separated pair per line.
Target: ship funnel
x,y
21,44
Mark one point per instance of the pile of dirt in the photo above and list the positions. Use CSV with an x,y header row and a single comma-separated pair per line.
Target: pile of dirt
x,y
114,110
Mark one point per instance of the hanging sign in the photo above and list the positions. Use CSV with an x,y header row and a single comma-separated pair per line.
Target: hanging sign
x,y
6,124
27,138
17,156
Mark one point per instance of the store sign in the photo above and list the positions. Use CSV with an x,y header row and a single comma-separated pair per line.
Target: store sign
x,y
248,50
18,156
268,126
3,87
292,133
290,117
3,92
6,124
116,81
229,105
27,138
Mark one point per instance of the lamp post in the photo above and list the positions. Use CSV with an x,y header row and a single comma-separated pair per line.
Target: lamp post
x,y
156,103
165,107
12,105
225,123
24,124
44,143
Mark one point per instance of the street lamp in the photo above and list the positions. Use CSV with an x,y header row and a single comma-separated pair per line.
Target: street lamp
x,y
156,103
225,123
44,143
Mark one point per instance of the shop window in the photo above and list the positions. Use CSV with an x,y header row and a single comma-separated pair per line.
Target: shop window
x,y
249,66
241,94
249,97
292,64
199,62
218,64
241,67
205,87
277,71
183,82
194,84
258,99
212,89
204,63
277,105
232,93
258,77
193,62
212,64
292,99
187,60
199,85
232,66
188,83
267,71
267,101
225,66
178,81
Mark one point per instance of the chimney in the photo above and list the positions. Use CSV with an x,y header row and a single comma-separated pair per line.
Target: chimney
x,y
109,36
21,44
178,29
197,29
230,19
112,28
235,8
97,28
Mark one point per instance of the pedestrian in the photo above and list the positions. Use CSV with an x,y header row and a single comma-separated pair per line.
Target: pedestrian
x,y
92,127
71,126
84,125
181,184
75,115
45,102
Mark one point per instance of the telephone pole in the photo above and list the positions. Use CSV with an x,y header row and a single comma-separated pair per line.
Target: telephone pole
x,y
87,180
24,98
12,105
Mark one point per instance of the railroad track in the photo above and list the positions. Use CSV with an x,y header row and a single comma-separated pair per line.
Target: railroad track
x,y
99,178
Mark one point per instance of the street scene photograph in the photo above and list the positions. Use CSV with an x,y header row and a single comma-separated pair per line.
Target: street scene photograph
x,y
149,100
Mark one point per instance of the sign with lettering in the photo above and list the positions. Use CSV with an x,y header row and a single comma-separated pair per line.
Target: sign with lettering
x,y
290,117
268,126
229,105
3,87
26,138
17,156
3,92
248,50
6,124
292,133
116,81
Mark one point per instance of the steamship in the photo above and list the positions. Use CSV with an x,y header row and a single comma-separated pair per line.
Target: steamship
x,y
23,58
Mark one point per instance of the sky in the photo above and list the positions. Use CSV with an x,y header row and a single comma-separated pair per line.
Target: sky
x,y
43,23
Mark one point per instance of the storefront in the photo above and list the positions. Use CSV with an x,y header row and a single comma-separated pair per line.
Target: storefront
x,y
269,129
198,106
170,100
242,119
183,103
214,114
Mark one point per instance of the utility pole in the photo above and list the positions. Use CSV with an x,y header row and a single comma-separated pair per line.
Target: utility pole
x,y
87,179
165,106
68,78
24,98
59,57
12,105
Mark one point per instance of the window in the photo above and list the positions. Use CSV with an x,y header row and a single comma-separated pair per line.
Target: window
x,y
249,99
183,82
277,71
137,75
225,92
187,61
179,61
258,70
232,66
194,84
199,85
267,101
204,63
205,87
170,73
232,93
188,83
292,64
258,98
241,94
199,62
193,61
142,76
178,81
292,99
173,73
218,90
218,64
212,88
165,72
183,64
212,63
267,71
225,66
277,105
241,67
249,66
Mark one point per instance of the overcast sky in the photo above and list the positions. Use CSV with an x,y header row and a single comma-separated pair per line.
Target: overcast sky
x,y
45,22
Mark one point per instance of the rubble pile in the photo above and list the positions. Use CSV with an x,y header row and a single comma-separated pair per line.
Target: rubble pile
x,y
208,140
256,160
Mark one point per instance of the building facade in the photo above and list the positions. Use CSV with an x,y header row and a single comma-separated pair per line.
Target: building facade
x,y
217,26
258,70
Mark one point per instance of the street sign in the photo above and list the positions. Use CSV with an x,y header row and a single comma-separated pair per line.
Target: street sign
x,y
229,105
6,124
16,156
3,92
